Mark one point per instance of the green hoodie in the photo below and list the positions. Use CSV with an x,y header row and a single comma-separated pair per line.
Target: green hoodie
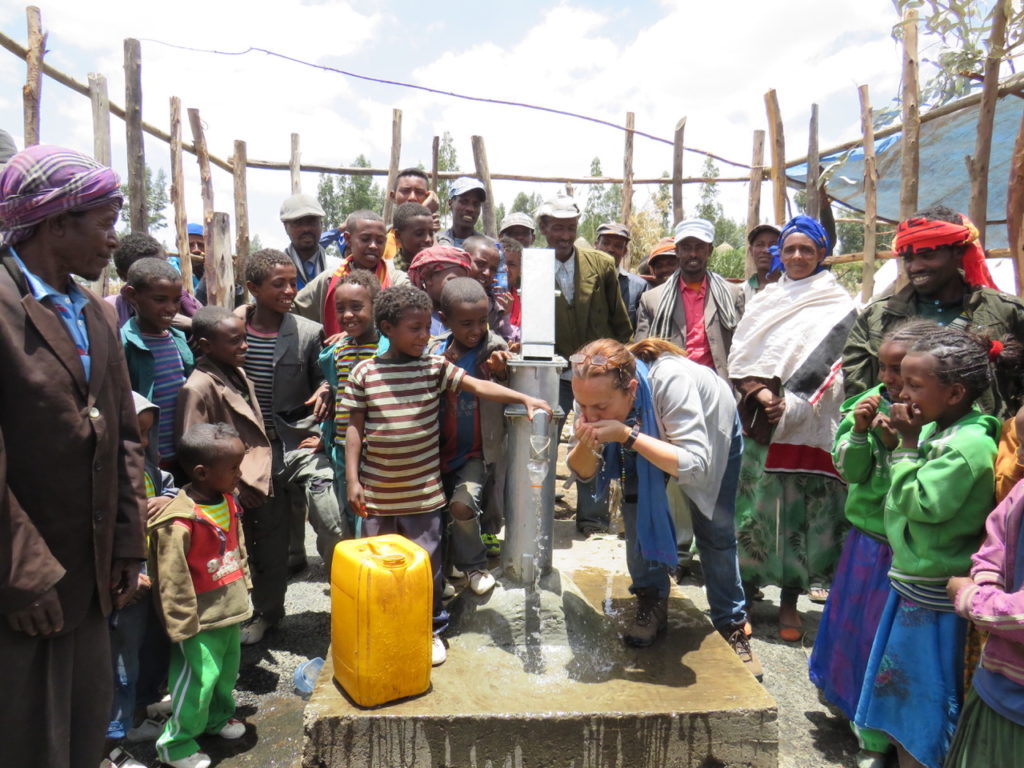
x,y
863,462
939,498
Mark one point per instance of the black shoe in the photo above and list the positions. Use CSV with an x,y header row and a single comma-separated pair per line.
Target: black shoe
x,y
736,636
651,619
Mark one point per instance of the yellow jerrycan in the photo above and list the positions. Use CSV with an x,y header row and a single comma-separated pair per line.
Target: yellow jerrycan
x,y
381,629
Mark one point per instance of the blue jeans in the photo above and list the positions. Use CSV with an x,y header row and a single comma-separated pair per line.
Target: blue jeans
x,y
589,511
716,543
127,629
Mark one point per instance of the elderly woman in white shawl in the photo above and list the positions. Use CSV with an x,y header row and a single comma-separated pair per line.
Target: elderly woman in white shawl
x,y
786,364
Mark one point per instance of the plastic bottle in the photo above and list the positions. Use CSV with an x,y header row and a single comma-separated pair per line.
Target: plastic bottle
x,y
501,276
306,674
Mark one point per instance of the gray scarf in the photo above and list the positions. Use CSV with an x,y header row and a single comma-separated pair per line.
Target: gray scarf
x,y
718,288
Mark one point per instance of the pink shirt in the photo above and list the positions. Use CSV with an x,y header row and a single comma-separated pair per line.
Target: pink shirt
x,y
697,347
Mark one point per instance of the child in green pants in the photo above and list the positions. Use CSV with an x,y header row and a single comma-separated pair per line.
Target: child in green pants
x,y
201,584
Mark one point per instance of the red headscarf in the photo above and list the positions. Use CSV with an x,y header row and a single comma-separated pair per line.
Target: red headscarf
x,y
920,234
436,257
330,314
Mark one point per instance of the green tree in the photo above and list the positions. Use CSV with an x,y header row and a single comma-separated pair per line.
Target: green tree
x,y
726,230
447,160
528,204
499,214
156,201
662,202
604,203
341,195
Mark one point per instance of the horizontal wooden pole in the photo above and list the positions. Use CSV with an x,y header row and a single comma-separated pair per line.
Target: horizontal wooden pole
x,y
850,258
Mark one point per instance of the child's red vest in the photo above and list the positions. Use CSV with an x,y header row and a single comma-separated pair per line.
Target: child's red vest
x,y
214,555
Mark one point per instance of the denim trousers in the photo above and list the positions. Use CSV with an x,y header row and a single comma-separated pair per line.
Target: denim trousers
x,y
716,543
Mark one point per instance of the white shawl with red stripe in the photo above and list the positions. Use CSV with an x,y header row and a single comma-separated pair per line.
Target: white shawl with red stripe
x,y
795,331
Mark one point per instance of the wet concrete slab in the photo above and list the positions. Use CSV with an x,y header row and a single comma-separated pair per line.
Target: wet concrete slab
x,y
572,696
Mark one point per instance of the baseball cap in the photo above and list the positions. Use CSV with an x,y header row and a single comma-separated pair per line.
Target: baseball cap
x,y
702,229
517,220
465,184
196,229
760,229
559,207
664,247
298,206
613,228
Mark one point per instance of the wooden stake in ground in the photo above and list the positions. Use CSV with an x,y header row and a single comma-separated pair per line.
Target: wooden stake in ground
x,y
627,171
677,171
754,195
977,166
484,174
205,175
1015,209
33,91
396,154
910,159
778,154
813,167
137,214
435,152
241,207
100,118
870,195
295,165
178,196
219,272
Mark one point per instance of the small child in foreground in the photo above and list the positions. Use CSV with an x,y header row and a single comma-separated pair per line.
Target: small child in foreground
x,y
201,583
472,431
391,449
941,490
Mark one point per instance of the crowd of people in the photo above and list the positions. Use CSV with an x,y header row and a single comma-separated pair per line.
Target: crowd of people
x,y
159,459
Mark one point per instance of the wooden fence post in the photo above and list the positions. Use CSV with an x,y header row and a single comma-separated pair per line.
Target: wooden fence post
x,y
754,195
138,216
396,154
220,271
870,196
295,165
100,118
977,165
484,173
910,160
206,188
241,205
178,196
813,167
32,92
677,172
778,154
1015,209
435,152
627,171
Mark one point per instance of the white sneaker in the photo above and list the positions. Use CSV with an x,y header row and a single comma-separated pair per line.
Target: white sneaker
x,y
455,573
449,590
481,582
438,653
254,630
233,729
195,760
162,708
148,730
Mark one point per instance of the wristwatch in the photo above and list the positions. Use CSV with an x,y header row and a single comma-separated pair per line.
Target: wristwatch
x,y
633,434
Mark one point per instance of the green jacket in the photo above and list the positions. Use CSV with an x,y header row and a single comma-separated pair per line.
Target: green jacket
x,y
141,369
863,462
939,497
597,310
990,313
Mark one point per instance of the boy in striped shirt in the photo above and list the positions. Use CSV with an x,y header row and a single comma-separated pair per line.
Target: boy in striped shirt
x,y
158,356
392,456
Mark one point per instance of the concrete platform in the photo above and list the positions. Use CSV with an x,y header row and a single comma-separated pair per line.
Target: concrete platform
x,y
571,697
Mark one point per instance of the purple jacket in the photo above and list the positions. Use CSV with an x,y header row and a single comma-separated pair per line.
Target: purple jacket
x,y
995,602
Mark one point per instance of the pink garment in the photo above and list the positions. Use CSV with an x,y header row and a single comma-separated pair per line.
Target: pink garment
x,y
697,347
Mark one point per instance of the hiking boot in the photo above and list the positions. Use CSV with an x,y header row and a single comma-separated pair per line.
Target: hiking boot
x,y
651,619
736,636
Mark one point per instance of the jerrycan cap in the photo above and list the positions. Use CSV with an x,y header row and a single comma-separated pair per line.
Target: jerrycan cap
x,y
394,560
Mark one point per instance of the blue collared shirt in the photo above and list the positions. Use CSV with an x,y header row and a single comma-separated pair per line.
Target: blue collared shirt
x,y
70,306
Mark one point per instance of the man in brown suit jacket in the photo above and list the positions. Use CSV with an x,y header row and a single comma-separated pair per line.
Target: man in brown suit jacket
x,y
71,467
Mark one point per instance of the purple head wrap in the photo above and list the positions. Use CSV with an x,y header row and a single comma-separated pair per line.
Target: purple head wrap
x,y
44,180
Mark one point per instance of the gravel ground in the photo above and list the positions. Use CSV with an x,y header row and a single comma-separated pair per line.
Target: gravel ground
x,y
810,736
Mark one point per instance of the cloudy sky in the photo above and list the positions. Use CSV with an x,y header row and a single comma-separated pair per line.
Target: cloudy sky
x,y
711,62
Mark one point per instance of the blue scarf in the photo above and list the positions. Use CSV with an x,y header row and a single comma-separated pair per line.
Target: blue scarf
x,y
805,225
655,530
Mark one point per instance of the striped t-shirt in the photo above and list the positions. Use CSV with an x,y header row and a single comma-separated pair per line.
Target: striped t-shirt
x,y
259,367
219,513
400,470
168,379
347,352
